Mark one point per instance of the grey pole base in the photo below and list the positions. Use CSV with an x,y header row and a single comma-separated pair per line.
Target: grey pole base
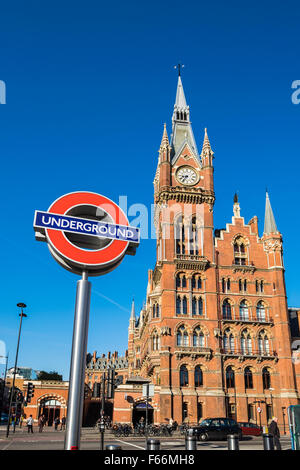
x,y
190,443
268,442
153,444
113,447
77,369
233,442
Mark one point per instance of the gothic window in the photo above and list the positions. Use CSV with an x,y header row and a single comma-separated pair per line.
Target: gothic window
x,y
155,341
259,285
226,310
200,306
180,236
194,306
183,281
266,377
246,343
230,382
193,236
239,250
198,376
228,341
263,343
226,285
244,311
260,311
198,338
178,283
196,282
243,285
184,376
184,305
182,336
178,305
248,378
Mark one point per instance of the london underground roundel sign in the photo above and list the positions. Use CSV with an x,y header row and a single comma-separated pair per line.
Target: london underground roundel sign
x,y
86,231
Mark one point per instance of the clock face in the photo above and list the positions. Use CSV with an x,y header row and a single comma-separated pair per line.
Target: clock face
x,y
187,175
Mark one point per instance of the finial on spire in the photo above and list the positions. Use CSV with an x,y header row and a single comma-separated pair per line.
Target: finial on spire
x,y
178,66
235,198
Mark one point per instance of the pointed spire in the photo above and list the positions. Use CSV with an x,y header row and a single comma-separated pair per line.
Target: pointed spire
x,y
207,154
165,140
132,314
270,224
206,142
180,102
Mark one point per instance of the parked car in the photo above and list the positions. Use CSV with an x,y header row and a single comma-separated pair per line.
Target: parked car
x,y
216,429
4,417
250,429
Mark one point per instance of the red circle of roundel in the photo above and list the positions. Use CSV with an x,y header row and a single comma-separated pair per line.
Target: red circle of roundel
x,y
73,253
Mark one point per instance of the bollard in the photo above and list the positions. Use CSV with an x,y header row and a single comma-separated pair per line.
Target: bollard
x,y
190,443
190,432
233,442
113,447
268,442
153,444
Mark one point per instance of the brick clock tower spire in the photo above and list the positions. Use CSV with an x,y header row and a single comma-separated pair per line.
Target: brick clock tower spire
x,y
213,335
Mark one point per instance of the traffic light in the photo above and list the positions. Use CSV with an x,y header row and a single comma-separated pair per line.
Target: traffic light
x,y
111,382
19,397
30,391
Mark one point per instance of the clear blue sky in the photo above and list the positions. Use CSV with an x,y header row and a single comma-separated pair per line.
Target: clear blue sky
x,y
89,86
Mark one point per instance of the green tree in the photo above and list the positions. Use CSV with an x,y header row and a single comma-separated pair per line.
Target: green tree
x,y
52,375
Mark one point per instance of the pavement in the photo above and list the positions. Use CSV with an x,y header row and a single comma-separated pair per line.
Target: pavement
x,y
50,439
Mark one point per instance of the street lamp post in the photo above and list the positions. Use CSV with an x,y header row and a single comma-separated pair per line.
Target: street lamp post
x,y
22,314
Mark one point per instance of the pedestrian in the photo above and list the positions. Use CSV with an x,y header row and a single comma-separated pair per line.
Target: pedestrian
x,y
29,423
56,423
274,431
21,420
63,423
41,423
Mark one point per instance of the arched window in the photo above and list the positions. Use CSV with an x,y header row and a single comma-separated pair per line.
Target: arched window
x,y
266,377
200,306
244,312
178,305
228,341
155,341
230,382
226,310
183,281
180,236
260,311
182,336
198,376
184,376
193,237
246,343
248,378
178,283
194,306
196,282
239,250
198,338
184,305
263,343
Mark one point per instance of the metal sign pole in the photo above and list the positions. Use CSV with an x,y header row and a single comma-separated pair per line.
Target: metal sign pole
x,y
78,359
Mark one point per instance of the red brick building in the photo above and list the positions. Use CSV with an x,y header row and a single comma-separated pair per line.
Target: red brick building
x,y
214,335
